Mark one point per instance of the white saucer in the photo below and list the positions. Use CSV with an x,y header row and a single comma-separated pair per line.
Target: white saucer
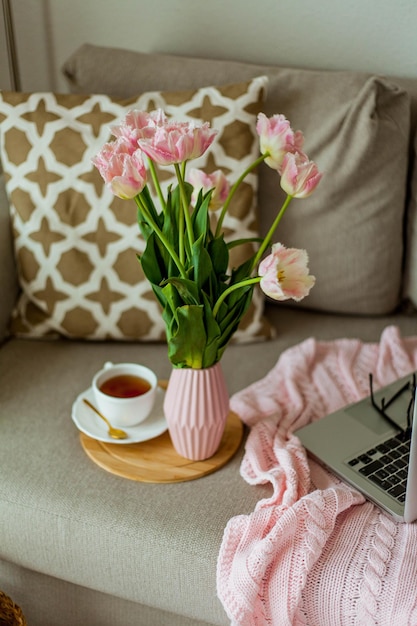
x,y
89,423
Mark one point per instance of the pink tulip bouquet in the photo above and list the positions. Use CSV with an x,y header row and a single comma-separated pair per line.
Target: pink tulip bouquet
x,y
186,259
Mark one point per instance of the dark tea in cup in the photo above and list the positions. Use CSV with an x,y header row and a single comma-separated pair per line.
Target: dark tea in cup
x,y
125,386
125,392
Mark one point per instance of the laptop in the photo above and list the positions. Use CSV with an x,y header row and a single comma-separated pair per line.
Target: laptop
x,y
372,446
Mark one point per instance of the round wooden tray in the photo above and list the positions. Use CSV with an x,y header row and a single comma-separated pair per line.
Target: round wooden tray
x,y
156,461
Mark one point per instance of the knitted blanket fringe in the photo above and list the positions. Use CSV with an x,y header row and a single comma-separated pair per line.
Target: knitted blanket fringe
x,y
315,552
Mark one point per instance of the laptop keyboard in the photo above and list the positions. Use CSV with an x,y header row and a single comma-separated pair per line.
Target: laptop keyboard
x,y
386,465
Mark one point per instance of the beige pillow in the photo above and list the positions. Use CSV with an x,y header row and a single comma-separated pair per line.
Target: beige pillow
x,y
75,243
356,128
410,281
352,226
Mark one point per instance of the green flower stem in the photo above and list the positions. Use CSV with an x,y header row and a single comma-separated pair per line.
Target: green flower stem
x,y
234,188
271,231
262,248
181,236
142,206
155,181
181,222
186,212
242,283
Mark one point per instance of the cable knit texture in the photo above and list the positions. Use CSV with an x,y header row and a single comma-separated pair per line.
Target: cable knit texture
x,y
316,553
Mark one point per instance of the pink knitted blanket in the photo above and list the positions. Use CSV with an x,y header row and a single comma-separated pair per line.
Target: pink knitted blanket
x,y
316,552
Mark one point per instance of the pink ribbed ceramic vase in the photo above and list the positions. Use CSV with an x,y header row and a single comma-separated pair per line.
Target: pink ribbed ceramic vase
x,y
196,407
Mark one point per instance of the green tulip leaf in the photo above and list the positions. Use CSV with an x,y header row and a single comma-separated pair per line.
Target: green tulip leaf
x,y
187,290
186,348
200,219
202,263
154,260
219,254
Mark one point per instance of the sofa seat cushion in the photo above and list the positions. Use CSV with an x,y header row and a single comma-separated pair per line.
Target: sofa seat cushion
x,y
64,516
49,601
357,130
75,242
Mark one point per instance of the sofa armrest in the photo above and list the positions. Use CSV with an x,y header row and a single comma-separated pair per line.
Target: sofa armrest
x,y
8,276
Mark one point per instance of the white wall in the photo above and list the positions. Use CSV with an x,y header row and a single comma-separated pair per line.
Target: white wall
x,y
371,35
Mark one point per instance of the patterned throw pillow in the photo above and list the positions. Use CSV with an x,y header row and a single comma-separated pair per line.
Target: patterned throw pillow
x,y
75,243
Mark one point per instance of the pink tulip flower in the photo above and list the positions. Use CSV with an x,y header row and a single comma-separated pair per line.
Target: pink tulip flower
x,y
285,274
177,142
276,138
299,176
138,124
122,168
216,181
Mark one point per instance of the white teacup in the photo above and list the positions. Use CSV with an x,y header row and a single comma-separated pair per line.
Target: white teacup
x,y
125,393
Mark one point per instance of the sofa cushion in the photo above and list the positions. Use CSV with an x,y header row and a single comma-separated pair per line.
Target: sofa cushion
x,y
75,242
155,544
8,274
410,278
353,225
356,128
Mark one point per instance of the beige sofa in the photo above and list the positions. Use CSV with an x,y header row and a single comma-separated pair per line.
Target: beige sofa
x,y
79,545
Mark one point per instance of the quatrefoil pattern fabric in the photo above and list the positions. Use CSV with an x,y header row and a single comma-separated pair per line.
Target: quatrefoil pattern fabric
x,y
75,243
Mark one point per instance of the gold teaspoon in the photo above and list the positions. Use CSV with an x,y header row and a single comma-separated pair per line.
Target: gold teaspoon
x,y
115,433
